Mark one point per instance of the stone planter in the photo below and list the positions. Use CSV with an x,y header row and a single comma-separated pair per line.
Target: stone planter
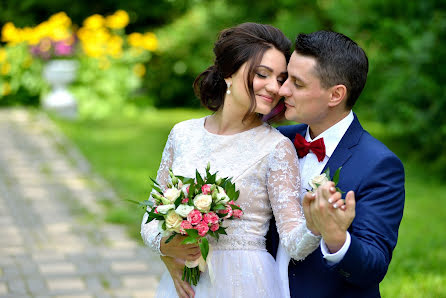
x,y
59,74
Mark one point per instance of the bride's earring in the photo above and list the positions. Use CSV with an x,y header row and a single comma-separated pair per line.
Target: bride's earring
x,y
229,86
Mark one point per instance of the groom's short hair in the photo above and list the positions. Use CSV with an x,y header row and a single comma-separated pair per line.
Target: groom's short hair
x,y
339,61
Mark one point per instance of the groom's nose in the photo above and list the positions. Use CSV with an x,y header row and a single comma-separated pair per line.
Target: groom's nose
x,y
284,89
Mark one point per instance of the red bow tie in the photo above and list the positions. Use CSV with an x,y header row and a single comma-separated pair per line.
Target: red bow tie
x,y
303,147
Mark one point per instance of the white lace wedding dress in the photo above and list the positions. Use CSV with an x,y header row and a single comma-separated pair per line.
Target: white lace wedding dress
x,y
264,167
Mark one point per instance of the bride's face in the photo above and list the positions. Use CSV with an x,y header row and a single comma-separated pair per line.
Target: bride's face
x,y
269,76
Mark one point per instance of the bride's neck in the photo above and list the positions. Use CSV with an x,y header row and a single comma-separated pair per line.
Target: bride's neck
x,y
225,122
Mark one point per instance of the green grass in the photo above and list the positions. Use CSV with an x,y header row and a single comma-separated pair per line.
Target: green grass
x,y
126,151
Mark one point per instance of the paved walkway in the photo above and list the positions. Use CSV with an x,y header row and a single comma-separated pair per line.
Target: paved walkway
x,y
53,242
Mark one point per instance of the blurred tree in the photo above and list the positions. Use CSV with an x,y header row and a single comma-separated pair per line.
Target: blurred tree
x,y
144,14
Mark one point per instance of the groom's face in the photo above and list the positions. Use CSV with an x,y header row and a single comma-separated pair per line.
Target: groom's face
x,y
306,101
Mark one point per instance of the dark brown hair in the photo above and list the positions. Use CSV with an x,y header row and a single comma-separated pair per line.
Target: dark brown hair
x,y
339,61
246,42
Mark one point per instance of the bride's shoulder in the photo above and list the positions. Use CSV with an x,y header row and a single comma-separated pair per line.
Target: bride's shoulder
x,y
189,124
276,134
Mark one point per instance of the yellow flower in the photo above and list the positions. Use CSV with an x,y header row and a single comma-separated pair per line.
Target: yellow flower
x,y
3,55
150,42
114,46
95,21
118,20
135,39
6,90
139,70
6,68
10,33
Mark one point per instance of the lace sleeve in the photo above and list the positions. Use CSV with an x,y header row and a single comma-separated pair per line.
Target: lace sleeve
x,y
149,232
283,182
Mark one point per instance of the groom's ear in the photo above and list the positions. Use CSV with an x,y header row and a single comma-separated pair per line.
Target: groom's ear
x,y
338,95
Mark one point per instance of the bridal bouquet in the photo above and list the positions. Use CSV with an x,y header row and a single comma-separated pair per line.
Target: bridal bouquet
x,y
195,207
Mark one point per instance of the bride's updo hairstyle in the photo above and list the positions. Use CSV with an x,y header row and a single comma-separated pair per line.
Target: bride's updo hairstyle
x,y
246,42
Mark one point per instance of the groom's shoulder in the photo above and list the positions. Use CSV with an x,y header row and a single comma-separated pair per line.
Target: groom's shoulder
x,y
374,149
290,130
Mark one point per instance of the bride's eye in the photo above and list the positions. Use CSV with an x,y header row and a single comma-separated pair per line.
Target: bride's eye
x,y
261,75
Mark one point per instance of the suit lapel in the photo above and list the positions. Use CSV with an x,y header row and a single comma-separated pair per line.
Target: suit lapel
x,y
343,151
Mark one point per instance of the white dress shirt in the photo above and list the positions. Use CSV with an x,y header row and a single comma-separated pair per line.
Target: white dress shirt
x,y
309,168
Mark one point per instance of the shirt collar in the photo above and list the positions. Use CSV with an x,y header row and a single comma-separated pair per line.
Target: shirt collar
x,y
333,135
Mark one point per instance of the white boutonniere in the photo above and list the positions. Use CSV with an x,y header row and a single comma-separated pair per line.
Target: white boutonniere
x,y
318,180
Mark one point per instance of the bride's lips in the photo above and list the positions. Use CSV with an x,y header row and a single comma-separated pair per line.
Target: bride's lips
x,y
266,98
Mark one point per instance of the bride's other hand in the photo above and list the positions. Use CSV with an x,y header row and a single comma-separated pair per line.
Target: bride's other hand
x,y
306,202
176,249
175,268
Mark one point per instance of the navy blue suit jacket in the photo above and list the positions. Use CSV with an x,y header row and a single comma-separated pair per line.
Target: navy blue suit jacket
x,y
376,176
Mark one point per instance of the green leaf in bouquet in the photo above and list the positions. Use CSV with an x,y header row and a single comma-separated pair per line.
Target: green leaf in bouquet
x,y
189,240
200,181
221,230
211,178
170,238
204,247
219,206
178,200
237,194
155,182
163,226
235,207
192,188
158,189
192,233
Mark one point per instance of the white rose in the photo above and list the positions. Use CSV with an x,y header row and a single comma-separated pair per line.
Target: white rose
x,y
318,180
184,210
222,198
163,209
172,194
203,202
184,189
173,221
221,190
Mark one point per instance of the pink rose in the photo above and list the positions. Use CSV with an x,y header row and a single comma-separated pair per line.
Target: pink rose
x,y
227,211
215,227
237,213
206,189
231,202
185,225
185,200
194,217
210,218
156,210
202,229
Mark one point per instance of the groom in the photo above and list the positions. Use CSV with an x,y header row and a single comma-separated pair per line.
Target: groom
x,y
326,74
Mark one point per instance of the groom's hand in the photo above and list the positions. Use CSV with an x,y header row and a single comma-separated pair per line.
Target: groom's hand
x,y
175,249
175,268
332,222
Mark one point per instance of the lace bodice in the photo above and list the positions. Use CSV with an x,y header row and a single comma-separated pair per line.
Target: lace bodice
x,y
264,167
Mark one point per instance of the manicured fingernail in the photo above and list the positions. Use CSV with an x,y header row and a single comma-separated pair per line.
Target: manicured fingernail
x,y
343,207
335,206
332,189
313,195
330,200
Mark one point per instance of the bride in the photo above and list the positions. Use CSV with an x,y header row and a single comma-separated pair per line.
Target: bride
x,y
242,85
